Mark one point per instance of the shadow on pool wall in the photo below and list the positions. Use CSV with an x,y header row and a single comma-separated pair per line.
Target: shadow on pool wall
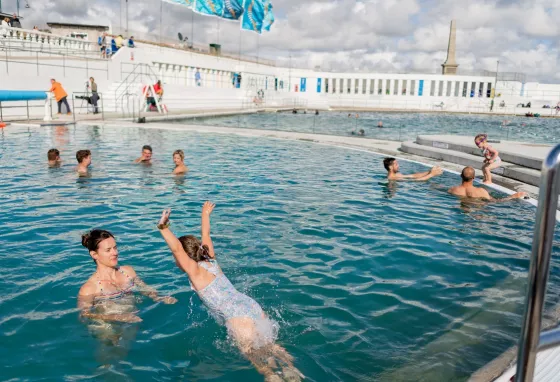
x,y
396,126
362,285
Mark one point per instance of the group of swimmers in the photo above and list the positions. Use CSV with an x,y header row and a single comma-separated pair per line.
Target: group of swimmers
x,y
252,330
84,160
466,189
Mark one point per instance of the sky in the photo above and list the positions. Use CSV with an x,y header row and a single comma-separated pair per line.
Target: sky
x,y
390,36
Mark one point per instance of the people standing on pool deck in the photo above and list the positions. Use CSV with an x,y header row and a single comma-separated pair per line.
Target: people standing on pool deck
x,y
179,160
254,333
110,282
84,160
60,95
53,156
392,167
468,190
492,159
146,157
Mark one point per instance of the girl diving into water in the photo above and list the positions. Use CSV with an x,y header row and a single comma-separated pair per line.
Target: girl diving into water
x,y
253,332
107,294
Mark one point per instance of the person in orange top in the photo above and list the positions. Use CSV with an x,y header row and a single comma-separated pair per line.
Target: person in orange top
x,y
158,89
60,95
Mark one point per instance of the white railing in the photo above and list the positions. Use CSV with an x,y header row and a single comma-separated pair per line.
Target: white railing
x,y
34,39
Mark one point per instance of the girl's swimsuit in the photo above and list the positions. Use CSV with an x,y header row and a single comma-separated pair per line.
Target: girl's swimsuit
x,y
487,155
221,297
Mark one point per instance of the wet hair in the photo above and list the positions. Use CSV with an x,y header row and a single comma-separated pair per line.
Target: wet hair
x,y
180,153
388,162
480,138
92,239
467,174
194,248
82,154
147,147
52,154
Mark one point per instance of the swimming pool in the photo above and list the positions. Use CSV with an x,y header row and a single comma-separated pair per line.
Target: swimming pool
x,y
368,280
397,126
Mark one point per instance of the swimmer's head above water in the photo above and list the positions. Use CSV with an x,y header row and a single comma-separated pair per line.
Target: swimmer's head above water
x,y
391,165
468,174
102,247
146,153
178,157
53,156
194,248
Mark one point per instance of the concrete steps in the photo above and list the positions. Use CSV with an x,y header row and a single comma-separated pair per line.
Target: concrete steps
x,y
507,169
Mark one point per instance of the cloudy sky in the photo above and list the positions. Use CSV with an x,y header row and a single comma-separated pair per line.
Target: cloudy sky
x,y
350,35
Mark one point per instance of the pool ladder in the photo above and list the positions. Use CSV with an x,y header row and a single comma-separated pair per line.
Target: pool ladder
x,y
532,340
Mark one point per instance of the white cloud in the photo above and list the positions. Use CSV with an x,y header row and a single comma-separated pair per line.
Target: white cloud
x,y
368,35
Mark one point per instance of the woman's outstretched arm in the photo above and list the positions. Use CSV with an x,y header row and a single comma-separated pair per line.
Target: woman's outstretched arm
x,y
183,261
207,209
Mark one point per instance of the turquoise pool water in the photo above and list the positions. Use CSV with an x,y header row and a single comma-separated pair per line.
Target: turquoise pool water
x,y
397,126
368,281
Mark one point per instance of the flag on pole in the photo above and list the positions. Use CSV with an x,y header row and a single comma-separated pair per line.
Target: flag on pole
x,y
209,7
187,3
268,16
254,15
233,9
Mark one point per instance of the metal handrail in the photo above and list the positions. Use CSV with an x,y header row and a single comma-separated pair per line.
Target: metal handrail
x,y
539,270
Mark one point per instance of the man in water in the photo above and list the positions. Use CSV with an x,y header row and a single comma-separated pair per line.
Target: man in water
x,y
392,167
468,190
146,157
53,155
84,160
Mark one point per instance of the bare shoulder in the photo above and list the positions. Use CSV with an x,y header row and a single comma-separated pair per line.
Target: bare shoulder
x,y
457,191
88,289
128,270
482,193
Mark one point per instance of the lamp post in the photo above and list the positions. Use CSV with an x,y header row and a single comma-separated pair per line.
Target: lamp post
x,y
496,80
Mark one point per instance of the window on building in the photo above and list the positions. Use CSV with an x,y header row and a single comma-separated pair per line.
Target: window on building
x,y
380,89
465,88
440,89
80,35
364,86
448,93
371,86
473,89
489,90
334,85
404,87
396,87
356,82
480,89
341,87
432,88
412,87
388,87
326,85
348,85
457,85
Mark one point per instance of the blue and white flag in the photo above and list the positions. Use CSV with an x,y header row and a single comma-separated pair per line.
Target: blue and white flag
x,y
268,16
254,15
187,3
233,9
209,7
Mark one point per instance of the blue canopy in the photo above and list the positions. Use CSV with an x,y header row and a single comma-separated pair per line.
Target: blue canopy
x,y
22,95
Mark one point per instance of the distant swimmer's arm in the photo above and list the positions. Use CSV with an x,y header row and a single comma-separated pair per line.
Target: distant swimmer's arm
x,y
434,171
517,195
183,261
85,304
207,209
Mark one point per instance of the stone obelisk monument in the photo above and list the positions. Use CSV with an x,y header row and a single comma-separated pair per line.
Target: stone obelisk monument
x,y
450,65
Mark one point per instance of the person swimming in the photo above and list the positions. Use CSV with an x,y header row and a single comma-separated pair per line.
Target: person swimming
x,y
253,332
100,296
84,161
392,167
146,156
53,156
179,160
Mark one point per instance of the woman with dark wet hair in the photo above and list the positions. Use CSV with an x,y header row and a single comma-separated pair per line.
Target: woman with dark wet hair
x,y
108,294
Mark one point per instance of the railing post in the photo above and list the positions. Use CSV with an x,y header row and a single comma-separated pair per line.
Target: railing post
x,y
27,106
37,61
87,69
73,109
539,266
102,107
1,117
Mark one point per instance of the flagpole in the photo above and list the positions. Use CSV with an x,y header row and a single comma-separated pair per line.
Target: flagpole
x,y
192,29
160,22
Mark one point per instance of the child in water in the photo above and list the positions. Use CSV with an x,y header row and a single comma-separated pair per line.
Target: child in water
x,y
491,157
